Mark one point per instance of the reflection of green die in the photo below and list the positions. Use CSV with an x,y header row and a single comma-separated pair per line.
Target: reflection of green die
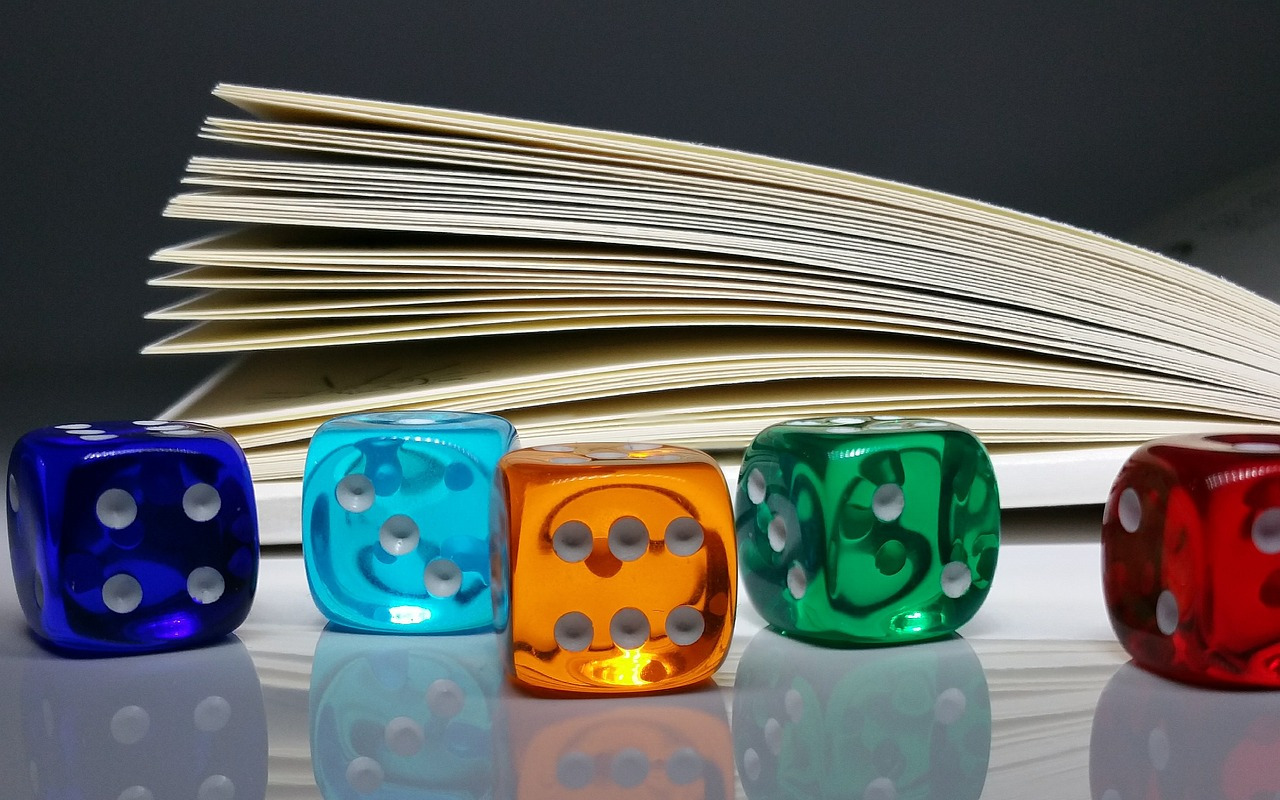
x,y
867,531
811,723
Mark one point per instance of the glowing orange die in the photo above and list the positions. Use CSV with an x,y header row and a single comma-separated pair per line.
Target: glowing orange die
x,y
623,568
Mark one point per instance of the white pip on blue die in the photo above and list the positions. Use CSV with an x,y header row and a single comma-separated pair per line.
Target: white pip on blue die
x,y
397,509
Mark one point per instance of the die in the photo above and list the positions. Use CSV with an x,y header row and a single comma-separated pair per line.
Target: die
x,y
821,722
189,723
405,716
622,568
1191,558
397,508
131,536
1155,738
668,745
867,531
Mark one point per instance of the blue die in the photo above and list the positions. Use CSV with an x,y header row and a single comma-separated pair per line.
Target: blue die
x,y
396,513
131,537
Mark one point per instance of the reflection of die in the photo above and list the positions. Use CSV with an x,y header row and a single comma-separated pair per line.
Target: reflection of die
x,y
1155,738
399,716
674,746
185,724
132,536
867,530
1191,558
622,566
396,514
813,722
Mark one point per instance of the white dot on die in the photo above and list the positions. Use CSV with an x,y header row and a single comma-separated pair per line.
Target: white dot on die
x,y
756,486
136,793
201,502
797,581
664,458
773,735
99,437
575,770
1129,510
13,494
554,448
685,766
205,585
751,764
1266,531
216,787
445,698
793,703
880,789
573,632
364,775
569,460
404,737
399,535
572,541
684,536
846,420
605,455
130,725
685,625
1257,447
212,714
147,423
73,426
116,509
887,502
630,767
629,628
956,579
182,432
122,593
777,533
843,429
88,432
354,493
628,538
442,578
417,421
1167,612
949,706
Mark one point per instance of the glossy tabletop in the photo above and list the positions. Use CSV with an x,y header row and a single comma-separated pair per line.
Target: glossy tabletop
x,y
1035,699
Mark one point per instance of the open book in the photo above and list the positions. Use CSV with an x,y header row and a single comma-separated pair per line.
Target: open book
x,y
601,286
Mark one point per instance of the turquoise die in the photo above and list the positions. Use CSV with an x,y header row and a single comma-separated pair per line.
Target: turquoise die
x,y
397,509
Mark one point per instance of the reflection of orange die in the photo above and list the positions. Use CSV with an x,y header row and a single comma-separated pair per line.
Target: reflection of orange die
x,y
676,747
623,566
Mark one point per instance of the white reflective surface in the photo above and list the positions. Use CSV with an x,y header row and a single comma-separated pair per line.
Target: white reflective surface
x,y
1034,701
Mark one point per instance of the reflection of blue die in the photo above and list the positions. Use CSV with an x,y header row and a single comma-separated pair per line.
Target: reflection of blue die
x,y
132,536
404,717
396,514
186,724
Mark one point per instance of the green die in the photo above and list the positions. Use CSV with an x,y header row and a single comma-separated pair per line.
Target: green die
x,y
867,531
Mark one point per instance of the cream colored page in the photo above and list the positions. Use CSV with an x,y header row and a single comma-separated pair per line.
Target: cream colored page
x,y
1120,259
1102,312
486,375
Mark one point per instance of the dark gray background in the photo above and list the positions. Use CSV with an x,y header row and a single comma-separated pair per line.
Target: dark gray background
x,y
1098,114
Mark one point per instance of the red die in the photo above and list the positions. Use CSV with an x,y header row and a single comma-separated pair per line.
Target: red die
x,y
1191,558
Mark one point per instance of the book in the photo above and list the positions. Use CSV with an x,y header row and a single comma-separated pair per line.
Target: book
x,y
592,285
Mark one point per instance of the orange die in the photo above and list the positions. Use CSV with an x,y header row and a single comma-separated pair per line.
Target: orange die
x,y
623,568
